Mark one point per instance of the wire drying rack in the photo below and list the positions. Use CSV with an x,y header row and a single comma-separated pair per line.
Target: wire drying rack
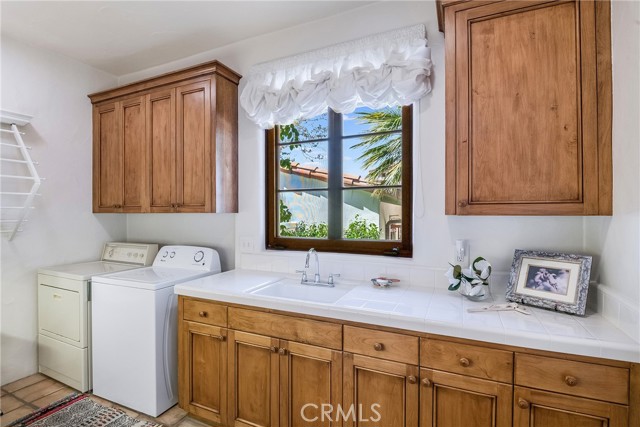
x,y
18,170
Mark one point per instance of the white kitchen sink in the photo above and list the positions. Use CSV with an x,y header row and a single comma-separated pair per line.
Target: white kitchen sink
x,y
292,289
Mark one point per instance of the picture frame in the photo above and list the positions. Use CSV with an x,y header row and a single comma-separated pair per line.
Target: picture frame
x,y
551,280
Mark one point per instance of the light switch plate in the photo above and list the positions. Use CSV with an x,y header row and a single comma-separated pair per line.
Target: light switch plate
x,y
247,245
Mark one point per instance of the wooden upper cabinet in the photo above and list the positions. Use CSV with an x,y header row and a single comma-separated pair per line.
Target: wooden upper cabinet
x,y
135,155
528,104
193,148
119,156
108,172
161,143
168,144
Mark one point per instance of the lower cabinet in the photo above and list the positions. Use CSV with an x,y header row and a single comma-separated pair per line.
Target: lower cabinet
x,y
536,408
453,400
380,392
240,367
253,380
203,371
276,382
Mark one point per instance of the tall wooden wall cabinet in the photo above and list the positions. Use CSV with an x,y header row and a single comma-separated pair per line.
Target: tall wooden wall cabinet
x,y
168,144
528,106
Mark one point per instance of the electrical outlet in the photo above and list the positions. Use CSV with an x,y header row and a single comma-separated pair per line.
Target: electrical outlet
x,y
461,253
247,245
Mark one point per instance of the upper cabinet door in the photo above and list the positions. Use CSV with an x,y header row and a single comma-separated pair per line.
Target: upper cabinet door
x,y
523,111
193,144
119,156
134,143
161,130
108,172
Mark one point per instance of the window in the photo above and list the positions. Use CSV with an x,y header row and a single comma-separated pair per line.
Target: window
x,y
341,183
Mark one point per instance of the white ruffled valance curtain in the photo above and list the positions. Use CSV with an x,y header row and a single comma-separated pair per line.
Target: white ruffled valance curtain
x,y
385,69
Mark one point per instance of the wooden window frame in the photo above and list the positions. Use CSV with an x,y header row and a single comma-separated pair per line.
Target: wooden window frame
x,y
398,248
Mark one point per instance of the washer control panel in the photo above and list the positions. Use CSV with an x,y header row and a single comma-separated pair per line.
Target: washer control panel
x,y
131,253
191,257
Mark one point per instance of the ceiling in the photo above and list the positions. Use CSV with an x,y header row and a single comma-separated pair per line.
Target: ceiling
x,y
122,37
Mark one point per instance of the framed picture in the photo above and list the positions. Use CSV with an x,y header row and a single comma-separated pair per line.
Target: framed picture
x,y
555,281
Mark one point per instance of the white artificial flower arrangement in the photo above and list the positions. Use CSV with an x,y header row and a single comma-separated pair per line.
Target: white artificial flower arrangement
x,y
470,278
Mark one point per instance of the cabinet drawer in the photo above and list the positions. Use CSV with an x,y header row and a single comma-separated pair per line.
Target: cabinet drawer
x,y
575,378
306,331
467,360
204,312
383,345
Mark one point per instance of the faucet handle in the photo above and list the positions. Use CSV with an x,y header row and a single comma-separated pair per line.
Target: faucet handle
x,y
332,276
304,275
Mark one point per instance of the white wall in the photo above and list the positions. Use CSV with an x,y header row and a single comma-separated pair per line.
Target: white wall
x,y
618,237
492,237
211,230
62,228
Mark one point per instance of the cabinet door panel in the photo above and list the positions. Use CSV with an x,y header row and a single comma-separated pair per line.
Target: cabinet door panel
x,y
310,376
203,379
525,107
108,155
534,408
379,392
135,154
524,130
162,149
253,380
193,165
452,400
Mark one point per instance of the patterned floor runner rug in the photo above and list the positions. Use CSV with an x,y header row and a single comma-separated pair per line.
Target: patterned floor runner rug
x,y
79,411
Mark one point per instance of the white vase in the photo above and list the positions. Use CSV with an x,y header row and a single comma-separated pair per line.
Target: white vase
x,y
474,293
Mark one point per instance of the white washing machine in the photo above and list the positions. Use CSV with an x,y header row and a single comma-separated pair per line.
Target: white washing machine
x,y
64,311
135,329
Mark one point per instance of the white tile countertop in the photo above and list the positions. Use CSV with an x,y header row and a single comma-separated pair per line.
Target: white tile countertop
x,y
430,310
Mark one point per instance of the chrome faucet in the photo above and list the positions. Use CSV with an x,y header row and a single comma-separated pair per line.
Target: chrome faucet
x,y
316,278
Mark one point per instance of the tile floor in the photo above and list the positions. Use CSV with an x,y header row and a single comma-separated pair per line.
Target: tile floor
x,y
24,396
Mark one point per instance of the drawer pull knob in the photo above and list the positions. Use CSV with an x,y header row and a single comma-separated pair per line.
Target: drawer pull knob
x,y
426,382
570,381
273,349
523,403
378,346
465,362
202,314
220,337
282,351
412,379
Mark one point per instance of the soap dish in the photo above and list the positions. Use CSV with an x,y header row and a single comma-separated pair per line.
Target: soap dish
x,y
383,282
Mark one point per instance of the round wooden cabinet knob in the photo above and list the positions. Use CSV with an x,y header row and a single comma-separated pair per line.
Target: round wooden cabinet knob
x,y
378,346
570,381
273,349
523,403
202,314
282,351
221,338
412,379
465,362
426,382
462,203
